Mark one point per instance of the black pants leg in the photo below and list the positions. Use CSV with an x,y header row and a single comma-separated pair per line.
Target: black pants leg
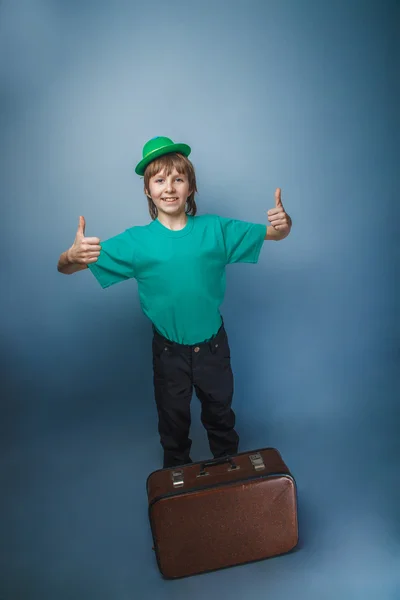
x,y
173,393
206,366
213,382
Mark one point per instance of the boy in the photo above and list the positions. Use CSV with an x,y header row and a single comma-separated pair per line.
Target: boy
x,y
179,262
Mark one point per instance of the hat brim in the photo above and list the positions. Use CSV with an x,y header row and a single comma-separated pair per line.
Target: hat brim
x,y
182,148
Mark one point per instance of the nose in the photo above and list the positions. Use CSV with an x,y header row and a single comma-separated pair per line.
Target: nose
x,y
170,184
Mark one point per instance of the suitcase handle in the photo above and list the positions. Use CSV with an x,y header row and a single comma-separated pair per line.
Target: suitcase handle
x,y
215,462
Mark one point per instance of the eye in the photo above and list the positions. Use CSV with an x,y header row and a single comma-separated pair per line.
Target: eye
x,y
159,180
179,179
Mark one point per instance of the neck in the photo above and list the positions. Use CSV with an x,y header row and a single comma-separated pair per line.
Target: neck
x,y
174,222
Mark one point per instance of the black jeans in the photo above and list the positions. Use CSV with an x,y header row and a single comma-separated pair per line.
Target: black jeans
x,y
206,367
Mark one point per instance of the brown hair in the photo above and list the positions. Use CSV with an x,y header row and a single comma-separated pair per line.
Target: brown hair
x,y
167,163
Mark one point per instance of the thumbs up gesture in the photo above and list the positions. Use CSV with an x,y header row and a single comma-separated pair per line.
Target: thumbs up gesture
x,y
84,250
278,217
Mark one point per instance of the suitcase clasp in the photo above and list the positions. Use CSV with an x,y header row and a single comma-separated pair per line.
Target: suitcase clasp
x,y
177,478
257,461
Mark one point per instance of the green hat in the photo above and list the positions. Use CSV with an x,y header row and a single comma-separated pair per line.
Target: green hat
x,y
156,147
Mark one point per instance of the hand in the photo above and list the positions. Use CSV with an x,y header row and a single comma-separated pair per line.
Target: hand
x,y
84,250
278,217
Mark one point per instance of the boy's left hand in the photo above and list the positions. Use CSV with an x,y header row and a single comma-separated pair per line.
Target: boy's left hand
x,y
278,217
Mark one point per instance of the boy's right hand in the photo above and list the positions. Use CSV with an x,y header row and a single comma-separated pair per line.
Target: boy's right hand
x,y
84,250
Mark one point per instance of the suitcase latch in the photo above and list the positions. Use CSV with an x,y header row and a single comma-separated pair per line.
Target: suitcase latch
x,y
177,478
257,461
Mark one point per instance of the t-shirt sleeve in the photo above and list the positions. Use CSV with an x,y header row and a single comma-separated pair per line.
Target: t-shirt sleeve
x,y
243,240
116,260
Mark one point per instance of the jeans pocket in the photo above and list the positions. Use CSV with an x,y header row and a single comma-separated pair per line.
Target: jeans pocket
x,y
159,347
221,347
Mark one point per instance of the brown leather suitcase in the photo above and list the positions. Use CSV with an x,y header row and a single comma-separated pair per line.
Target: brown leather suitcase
x,y
210,515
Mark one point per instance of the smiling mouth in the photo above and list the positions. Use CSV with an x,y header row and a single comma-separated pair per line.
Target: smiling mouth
x,y
170,199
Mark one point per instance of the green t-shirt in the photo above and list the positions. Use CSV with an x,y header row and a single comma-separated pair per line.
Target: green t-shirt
x,y
180,274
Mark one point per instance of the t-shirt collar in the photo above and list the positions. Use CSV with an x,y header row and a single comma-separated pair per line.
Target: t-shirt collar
x,y
161,229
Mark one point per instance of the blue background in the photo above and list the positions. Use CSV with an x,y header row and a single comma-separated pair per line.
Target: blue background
x,y
301,95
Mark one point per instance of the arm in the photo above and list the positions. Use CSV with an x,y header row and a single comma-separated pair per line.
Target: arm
x,y
281,223
82,252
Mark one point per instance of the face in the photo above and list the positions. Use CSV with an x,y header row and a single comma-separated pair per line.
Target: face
x,y
169,192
